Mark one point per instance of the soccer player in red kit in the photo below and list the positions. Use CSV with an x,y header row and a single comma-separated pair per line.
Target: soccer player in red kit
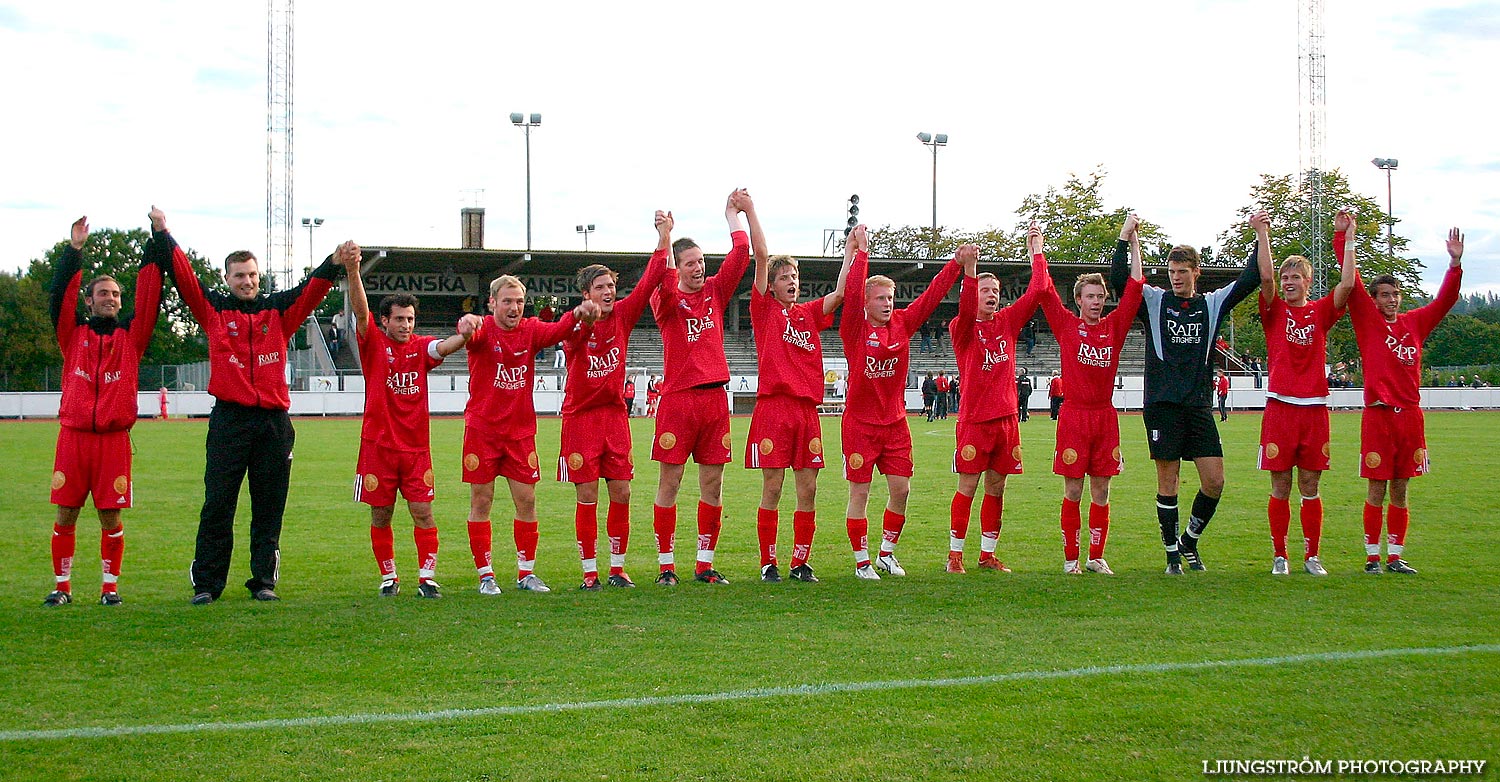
x,y
394,445
101,361
988,438
595,425
1088,428
784,430
500,424
1392,440
1294,430
877,343
692,419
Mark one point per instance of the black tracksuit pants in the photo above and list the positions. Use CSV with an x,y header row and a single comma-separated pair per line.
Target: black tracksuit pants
x,y
243,439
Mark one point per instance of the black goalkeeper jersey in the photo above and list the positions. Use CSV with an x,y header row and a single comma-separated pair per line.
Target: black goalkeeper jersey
x,y
1179,356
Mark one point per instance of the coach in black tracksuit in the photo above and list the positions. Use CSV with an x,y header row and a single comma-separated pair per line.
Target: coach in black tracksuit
x,y
249,430
1181,325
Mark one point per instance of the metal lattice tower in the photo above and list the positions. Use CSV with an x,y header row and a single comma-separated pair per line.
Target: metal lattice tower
x,y
1311,103
278,258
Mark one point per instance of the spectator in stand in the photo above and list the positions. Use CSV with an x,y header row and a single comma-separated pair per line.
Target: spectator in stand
x,y
940,399
1024,387
926,331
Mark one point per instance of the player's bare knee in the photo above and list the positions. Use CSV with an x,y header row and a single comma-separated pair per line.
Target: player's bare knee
x,y
1073,489
421,515
1281,484
968,483
1099,489
1307,482
380,515
619,492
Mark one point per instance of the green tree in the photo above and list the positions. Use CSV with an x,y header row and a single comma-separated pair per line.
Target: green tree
x,y
1287,200
1462,341
177,339
1079,229
27,345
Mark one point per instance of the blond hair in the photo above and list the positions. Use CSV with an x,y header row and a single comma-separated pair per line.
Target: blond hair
x,y
506,281
1298,263
778,261
881,280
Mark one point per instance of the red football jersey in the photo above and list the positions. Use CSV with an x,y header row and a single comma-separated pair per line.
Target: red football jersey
x,y
1090,354
788,347
395,388
1392,352
500,364
692,324
1297,348
596,352
879,355
987,348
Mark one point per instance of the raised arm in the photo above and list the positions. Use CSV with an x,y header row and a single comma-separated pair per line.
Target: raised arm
x,y
740,200
1119,267
66,277
148,283
733,269
163,249
1248,281
1041,280
832,301
858,244
306,297
1429,314
921,309
1265,264
630,307
1343,249
349,256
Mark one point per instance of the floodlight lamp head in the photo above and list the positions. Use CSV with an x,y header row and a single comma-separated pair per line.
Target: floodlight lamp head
x,y
940,139
516,118
925,138
579,229
536,119
854,199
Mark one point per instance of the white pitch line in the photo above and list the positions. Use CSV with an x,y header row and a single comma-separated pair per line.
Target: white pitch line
x,y
732,695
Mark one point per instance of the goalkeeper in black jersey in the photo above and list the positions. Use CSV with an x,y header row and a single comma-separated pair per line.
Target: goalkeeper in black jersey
x,y
1181,326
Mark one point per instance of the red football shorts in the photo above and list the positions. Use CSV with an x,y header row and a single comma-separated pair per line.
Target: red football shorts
x,y
785,432
988,445
1392,443
1294,436
89,463
489,455
1088,442
382,471
695,423
595,444
867,446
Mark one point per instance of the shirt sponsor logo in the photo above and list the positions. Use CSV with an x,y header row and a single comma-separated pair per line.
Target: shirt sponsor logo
x,y
1299,335
797,339
697,326
404,383
511,378
601,366
1404,353
110,377
877,368
1101,356
1184,333
268,358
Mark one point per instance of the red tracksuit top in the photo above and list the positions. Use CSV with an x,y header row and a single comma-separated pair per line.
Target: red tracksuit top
x,y
247,340
101,356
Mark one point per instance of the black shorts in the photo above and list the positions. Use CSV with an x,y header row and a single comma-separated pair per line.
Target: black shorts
x,y
1177,432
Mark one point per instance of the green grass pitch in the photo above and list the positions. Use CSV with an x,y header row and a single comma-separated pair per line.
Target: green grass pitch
x,y
331,648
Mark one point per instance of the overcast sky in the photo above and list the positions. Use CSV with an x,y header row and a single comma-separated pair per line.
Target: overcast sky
x,y
402,110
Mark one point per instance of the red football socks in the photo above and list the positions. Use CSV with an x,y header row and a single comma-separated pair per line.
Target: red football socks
x,y
766,522
64,544
1312,525
617,527
804,524
426,539
383,543
1279,511
1098,529
1072,521
480,546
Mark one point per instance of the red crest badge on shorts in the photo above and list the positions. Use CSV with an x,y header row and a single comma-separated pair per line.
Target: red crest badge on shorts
x,y
856,461
371,483
531,460
427,479
727,445
766,446
575,461
122,484
1015,453
967,453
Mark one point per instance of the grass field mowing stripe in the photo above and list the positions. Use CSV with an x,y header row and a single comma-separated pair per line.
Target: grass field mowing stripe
x,y
734,695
